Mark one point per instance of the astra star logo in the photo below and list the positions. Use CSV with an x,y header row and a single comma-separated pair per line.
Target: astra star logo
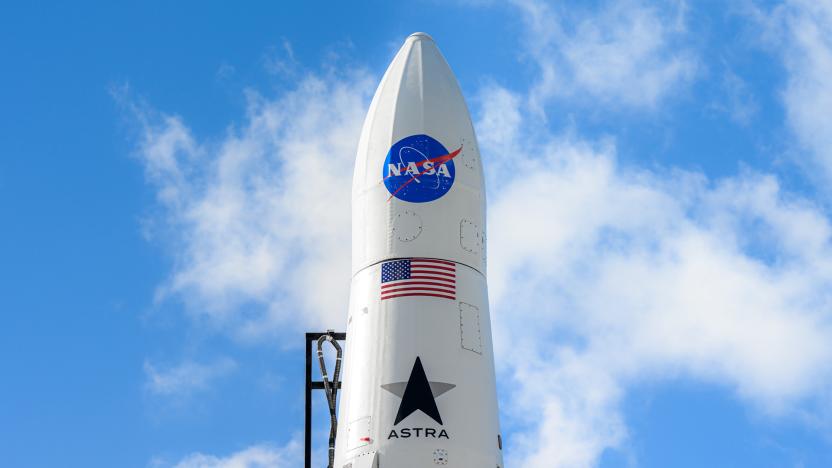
x,y
419,169
418,394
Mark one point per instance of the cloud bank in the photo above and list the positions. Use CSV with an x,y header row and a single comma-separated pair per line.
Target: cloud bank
x,y
630,275
185,378
621,53
805,29
257,222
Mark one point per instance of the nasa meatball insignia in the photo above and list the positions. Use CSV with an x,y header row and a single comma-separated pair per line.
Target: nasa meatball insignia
x,y
419,169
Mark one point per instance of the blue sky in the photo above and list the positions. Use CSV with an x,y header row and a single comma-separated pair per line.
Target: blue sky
x,y
174,180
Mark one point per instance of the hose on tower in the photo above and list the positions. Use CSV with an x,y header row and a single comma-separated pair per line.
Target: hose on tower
x,y
331,389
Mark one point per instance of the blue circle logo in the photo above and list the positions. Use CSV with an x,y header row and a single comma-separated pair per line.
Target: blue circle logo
x,y
419,169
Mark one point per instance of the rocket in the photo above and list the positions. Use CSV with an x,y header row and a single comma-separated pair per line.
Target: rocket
x,y
419,384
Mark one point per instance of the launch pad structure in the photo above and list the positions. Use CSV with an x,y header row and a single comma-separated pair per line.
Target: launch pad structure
x,y
311,339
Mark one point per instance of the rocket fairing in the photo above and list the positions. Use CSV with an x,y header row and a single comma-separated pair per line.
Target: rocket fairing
x,y
419,385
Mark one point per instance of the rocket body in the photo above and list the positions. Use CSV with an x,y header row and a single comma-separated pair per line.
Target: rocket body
x,y
419,386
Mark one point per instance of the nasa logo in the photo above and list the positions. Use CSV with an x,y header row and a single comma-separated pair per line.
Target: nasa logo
x,y
419,169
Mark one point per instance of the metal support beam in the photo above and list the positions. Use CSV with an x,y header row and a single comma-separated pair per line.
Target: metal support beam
x,y
311,339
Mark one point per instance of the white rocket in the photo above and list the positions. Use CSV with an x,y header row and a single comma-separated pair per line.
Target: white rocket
x,y
419,385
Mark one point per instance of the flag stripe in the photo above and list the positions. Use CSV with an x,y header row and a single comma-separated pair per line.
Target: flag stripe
x,y
433,278
417,271
418,294
428,283
418,288
435,267
430,260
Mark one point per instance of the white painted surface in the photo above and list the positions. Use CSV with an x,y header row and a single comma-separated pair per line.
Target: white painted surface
x,y
452,338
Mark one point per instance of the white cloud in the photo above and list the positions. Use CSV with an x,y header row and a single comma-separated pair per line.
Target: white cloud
x,y
280,60
186,377
256,456
630,275
625,53
807,53
257,221
738,100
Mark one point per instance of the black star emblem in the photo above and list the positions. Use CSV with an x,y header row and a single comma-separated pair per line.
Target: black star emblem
x,y
418,394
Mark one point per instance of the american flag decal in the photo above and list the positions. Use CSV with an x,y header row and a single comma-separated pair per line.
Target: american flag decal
x,y
418,277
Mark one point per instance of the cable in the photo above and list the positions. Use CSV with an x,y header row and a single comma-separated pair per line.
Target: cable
x,y
331,389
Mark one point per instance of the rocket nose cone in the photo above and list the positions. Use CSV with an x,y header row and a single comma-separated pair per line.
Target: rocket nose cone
x,y
418,95
418,164
420,36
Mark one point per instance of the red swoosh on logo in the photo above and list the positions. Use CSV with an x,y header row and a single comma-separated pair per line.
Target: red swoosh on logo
x,y
438,161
